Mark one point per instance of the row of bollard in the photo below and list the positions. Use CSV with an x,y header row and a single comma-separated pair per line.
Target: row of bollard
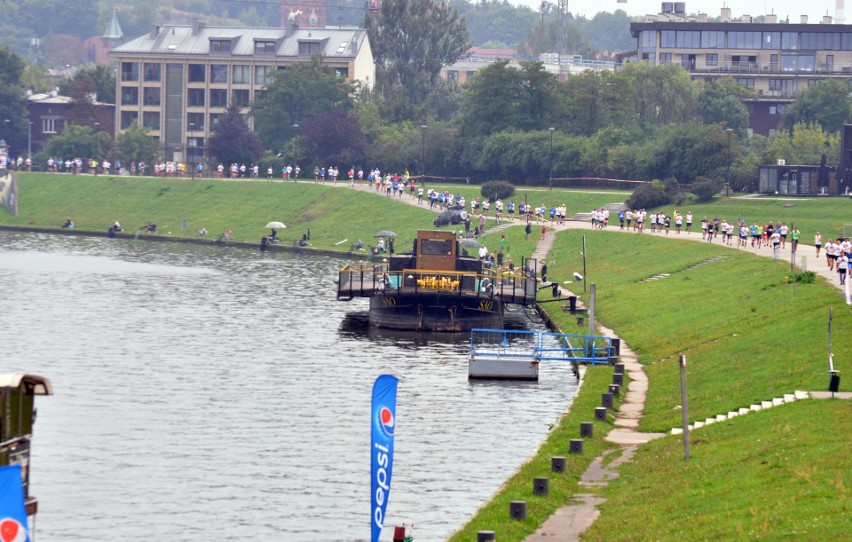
x,y
541,486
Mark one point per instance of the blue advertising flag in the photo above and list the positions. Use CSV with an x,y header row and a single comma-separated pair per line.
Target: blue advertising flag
x,y
381,449
13,512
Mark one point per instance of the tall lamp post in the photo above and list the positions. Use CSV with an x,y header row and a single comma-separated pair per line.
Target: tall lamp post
x,y
295,146
423,153
551,130
729,132
30,140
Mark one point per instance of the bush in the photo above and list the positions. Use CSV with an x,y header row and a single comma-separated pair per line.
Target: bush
x,y
649,196
705,189
805,277
494,190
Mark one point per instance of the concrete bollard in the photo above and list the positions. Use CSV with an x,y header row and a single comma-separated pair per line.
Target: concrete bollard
x,y
541,486
614,389
518,510
587,429
618,378
557,464
606,400
600,413
575,446
486,536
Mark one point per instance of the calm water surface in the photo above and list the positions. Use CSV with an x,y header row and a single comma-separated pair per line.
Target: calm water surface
x,y
222,394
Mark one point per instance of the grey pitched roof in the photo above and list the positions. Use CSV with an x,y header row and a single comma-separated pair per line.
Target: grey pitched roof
x,y
186,40
113,31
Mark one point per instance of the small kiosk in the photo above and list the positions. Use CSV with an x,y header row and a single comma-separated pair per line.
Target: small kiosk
x,y
17,416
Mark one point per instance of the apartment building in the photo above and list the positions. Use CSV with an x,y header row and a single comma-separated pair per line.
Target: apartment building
x,y
178,79
777,59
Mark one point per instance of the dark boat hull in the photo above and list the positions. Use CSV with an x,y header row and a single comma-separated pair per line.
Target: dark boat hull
x,y
430,312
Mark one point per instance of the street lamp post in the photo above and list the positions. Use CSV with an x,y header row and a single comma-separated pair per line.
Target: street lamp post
x,y
551,130
30,140
190,163
295,148
423,153
729,132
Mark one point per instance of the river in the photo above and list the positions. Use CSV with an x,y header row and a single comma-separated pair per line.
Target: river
x,y
206,393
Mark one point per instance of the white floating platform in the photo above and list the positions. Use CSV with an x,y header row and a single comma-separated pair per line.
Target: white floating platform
x,y
503,369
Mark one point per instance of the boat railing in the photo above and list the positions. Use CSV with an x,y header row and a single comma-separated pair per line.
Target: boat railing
x,y
541,346
509,285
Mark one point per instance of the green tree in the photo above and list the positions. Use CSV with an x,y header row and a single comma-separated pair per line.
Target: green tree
x,y
661,94
412,40
827,104
36,78
500,97
135,144
94,78
720,102
488,20
594,100
333,138
12,101
232,141
804,144
78,142
295,96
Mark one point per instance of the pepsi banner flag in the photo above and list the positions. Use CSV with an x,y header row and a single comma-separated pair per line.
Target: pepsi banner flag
x,y
13,512
381,449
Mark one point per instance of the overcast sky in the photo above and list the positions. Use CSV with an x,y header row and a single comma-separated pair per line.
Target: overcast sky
x,y
815,10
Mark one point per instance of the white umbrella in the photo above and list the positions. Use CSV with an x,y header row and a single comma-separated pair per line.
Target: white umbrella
x,y
276,225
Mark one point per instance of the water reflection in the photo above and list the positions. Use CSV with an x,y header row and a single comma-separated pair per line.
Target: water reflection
x,y
215,393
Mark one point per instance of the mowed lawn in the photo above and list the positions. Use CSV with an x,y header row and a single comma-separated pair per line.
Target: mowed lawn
x,y
747,334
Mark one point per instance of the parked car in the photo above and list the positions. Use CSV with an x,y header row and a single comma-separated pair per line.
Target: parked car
x,y
451,217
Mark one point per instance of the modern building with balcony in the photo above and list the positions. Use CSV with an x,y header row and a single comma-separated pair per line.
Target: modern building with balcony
x,y
776,59
178,79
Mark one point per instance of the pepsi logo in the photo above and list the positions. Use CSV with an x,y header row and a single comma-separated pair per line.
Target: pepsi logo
x,y
386,421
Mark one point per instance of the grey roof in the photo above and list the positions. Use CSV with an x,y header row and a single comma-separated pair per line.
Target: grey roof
x,y
113,31
182,40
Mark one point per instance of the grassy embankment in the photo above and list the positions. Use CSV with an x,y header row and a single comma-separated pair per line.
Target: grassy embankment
x,y
748,337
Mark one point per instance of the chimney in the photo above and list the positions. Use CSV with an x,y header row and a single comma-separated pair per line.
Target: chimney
x,y
197,26
155,31
725,16
771,18
803,19
826,19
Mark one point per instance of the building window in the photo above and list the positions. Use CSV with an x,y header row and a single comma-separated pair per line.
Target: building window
x,y
129,71
789,40
129,96
469,74
128,118
262,75
771,40
151,120
242,75
214,120
745,81
152,72
218,98
49,125
453,75
782,87
196,73
264,47
218,73
777,109
712,59
195,121
668,39
341,72
241,97
309,48
688,39
665,58
744,40
649,40
827,41
195,97
151,95
220,46
713,39
259,94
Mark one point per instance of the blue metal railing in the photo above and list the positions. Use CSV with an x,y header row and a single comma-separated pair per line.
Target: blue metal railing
x,y
541,346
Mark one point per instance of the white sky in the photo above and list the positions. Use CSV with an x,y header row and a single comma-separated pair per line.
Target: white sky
x,y
815,10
